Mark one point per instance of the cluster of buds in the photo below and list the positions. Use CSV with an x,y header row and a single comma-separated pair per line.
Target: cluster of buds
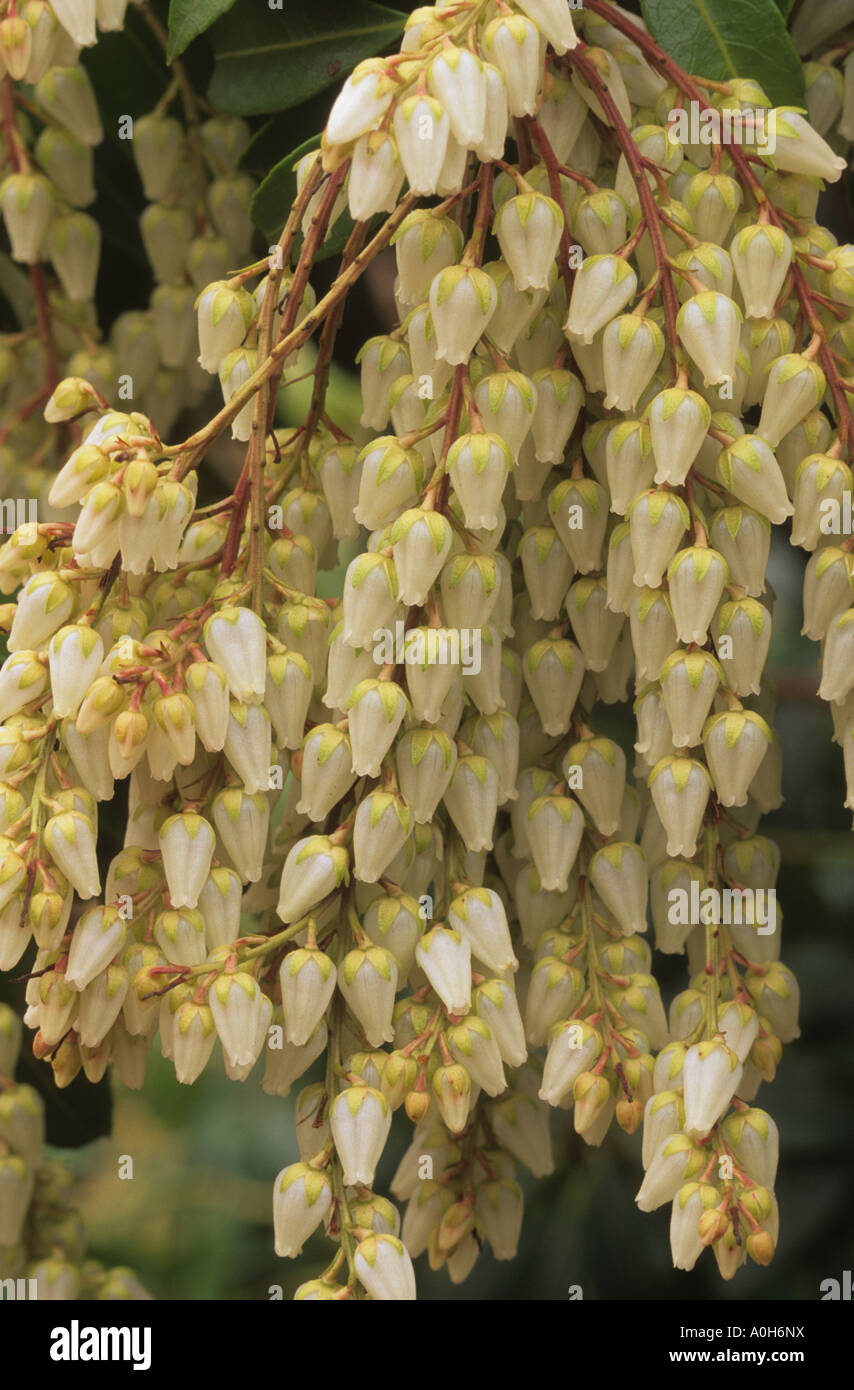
x,y
42,1236
383,826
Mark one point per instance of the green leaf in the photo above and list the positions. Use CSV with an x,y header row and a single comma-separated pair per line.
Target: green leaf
x,y
717,39
188,19
284,131
275,194
785,7
271,60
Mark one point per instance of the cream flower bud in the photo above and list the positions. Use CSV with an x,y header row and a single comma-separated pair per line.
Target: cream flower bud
x,y
676,1160
560,397
422,130
361,103
462,301
376,711
821,484
776,996
696,578
742,634
390,481
578,510
837,663
219,904
529,228
800,150
761,255
340,474
421,543
360,1119
795,387
66,94
735,744
657,522
678,422
514,46
470,586
521,1125
689,1204
755,1142
98,937
828,590
711,1075
600,788
307,980
381,828
547,569
242,822
234,371
478,916
236,639
368,980
743,537
620,570
424,245
370,597
385,1268
193,1037
376,175
224,315
507,401
382,361
85,466
553,669
44,604
425,760
689,683
314,868
302,1199
26,201
445,958
499,1211
574,1046
478,465
326,773
208,691
187,845
23,679
709,325
619,874
457,79
70,841
181,936
602,287
555,830
73,244
237,1005
629,465
474,1047
680,791
632,347
16,1185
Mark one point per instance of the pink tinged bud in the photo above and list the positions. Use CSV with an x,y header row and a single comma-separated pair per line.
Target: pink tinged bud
x,y
462,302
689,1204
521,1125
602,287
445,957
602,783
70,841
619,875
242,822
425,760
307,979
26,201
478,465
676,1160
709,325
657,521
385,1269
801,150
381,829
360,105
44,605
578,510
514,45
574,1047
236,640
237,1005
555,830
193,1037
187,845
302,1199
472,800
422,130
360,1120
678,422
224,315
711,1075
680,791
370,597
735,744
314,868
390,481
761,256
368,980
97,939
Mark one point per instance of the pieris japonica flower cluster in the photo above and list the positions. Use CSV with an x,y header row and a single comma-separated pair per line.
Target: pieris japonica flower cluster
x,y
42,1236
346,842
